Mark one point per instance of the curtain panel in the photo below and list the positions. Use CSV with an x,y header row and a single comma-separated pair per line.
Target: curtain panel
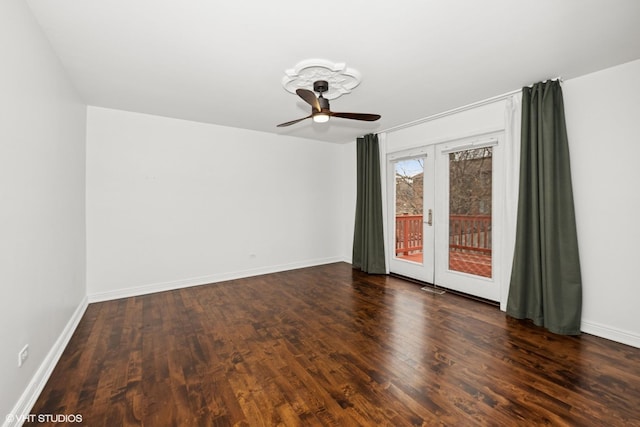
x,y
546,283
368,238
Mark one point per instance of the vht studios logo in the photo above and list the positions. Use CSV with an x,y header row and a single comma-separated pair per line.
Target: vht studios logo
x,y
45,418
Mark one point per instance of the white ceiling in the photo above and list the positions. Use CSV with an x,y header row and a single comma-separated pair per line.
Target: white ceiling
x,y
222,62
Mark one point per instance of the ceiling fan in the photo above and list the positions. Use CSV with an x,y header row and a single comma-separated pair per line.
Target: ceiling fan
x,y
320,107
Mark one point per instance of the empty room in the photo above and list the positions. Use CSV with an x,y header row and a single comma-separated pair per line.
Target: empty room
x,y
349,213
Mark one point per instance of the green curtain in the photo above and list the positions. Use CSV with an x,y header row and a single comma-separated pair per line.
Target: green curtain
x,y
546,284
368,237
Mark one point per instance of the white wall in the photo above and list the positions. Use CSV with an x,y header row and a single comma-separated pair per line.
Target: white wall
x,y
482,119
603,123
42,222
172,203
349,192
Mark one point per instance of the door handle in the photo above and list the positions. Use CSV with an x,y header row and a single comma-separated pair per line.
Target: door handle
x,y
430,218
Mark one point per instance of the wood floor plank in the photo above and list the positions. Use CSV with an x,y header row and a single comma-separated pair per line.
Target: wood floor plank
x,y
330,346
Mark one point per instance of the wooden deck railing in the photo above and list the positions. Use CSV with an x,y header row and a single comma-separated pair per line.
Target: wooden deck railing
x,y
470,233
466,233
408,234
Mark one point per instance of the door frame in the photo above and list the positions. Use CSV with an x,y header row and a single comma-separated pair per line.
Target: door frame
x,y
425,271
484,287
439,237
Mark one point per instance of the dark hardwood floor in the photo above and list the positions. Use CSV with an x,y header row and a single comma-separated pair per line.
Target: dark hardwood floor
x,y
331,346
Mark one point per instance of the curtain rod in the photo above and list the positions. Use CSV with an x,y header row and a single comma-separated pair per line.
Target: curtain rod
x,y
460,109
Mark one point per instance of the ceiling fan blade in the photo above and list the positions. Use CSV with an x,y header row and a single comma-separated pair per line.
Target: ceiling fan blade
x,y
357,116
293,122
310,98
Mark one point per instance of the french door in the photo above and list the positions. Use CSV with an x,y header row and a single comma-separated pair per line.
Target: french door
x,y
411,177
443,214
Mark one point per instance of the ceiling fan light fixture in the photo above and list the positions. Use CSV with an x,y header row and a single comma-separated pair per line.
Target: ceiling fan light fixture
x,y
321,118
320,111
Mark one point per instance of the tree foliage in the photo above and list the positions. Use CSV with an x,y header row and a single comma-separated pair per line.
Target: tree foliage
x,y
470,181
470,174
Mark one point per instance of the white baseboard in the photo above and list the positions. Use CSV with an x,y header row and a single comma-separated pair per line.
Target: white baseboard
x,y
613,334
28,398
202,280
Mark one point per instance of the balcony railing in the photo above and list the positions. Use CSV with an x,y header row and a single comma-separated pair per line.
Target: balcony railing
x,y
408,234
470,233
466,233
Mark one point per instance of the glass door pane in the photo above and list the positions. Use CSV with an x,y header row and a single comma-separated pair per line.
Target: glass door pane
x,y
470,233
409,191
410,184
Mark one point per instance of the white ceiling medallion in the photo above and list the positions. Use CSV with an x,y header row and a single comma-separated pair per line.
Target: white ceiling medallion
x,y
341,79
